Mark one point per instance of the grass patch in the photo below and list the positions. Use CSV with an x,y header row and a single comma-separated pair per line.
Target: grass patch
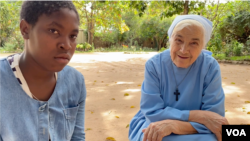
x,y
77,51
135,50
232,58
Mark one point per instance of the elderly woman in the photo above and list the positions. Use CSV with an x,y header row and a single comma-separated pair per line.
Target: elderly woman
x,y
181,97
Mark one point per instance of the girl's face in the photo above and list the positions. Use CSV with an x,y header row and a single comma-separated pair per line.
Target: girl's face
x,y
52,41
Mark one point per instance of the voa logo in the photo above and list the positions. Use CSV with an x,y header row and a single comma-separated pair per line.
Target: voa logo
x,y
236,132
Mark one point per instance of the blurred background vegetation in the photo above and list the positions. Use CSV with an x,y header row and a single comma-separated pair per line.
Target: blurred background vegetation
x,y
141,26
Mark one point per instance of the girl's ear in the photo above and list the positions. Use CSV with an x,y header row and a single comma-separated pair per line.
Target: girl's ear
x,y
25,29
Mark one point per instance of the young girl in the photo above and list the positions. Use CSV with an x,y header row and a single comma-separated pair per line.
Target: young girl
x,y
40,97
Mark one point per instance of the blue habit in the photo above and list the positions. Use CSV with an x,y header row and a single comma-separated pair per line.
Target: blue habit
x,y
200,90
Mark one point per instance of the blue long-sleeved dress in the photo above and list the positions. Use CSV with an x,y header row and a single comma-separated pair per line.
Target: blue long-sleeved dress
x,y
200,90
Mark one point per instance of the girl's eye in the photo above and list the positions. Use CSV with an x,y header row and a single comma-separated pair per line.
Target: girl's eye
x,y
74,36
54,31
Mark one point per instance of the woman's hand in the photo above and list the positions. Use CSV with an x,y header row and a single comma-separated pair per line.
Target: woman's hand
x,y
214,122
157,130
211,120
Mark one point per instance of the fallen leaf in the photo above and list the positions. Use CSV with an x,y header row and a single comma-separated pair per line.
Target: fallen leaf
x,y
226,111
225,78
247,101
127,126
107,84
244,111
115,82
139,85
92,112
126,94
232,83
102,81
244,124
95,81
112,99
132,107
88,129
243,108
110,139
117,116
248,112
238,95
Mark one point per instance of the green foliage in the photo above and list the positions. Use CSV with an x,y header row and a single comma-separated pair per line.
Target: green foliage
x,y
156,28
84,47
111,36
237,27
237,48
234,48
162,49
232,58
9,21
4,21
102,16
124,49
10,48
171,8
132,23
215,44
136,44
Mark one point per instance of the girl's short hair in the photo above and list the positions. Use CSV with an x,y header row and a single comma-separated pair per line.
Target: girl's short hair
x,y
32,10
186,24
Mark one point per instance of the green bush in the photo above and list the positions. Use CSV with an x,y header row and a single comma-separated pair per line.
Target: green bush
x,y
237,48
234,48
9,47
136,43
162,49
84,47
215,44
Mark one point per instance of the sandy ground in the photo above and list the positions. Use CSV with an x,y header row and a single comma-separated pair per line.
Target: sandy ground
x,y
108,76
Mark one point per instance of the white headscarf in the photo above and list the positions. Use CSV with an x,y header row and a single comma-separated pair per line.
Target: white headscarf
x,y
207,24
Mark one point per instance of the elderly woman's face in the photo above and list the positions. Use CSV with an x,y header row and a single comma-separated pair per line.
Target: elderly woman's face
x,y
186,45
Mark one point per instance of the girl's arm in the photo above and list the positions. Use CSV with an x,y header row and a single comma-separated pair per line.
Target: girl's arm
x,y
79,134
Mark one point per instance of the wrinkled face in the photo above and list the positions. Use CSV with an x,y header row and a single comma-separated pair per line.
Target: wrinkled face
x,y
186,45
51,42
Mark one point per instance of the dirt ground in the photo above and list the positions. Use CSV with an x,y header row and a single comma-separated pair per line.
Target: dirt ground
x,y
108,76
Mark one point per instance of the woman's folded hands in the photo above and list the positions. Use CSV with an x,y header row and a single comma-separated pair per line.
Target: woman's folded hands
x,y
156,131
211,120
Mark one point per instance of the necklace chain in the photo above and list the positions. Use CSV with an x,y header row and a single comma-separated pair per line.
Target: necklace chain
x,y
183,78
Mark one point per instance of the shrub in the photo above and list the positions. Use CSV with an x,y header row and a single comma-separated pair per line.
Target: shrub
x,y
237,48
84,47
162,49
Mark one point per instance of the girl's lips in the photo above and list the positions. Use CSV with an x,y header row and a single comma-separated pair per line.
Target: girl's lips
x,y
183,57
62,60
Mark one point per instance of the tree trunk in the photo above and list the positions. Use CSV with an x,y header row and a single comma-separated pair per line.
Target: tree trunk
x,y
91,31
91,25
186,8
